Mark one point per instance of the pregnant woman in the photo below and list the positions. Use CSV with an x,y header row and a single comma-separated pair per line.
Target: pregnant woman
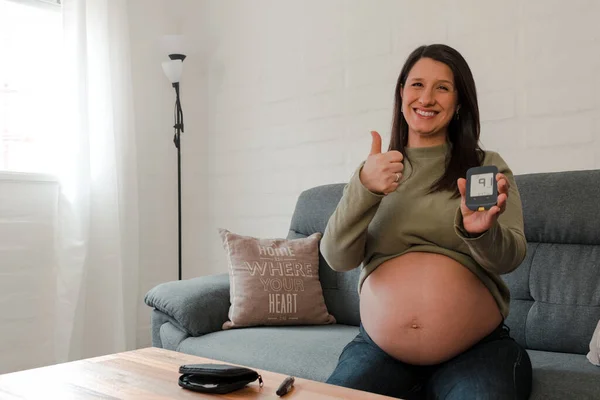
x,y
432,302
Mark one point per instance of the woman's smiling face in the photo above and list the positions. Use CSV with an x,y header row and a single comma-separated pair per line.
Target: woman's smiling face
x,y
429,100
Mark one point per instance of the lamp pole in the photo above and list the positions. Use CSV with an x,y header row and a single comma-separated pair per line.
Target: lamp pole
x,y
177,141
173,71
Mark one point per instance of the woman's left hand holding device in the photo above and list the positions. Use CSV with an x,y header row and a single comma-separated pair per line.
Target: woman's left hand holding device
x,y
478,222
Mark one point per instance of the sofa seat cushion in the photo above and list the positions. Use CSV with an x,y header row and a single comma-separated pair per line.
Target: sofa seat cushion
x,y
303,351
312,352
563,376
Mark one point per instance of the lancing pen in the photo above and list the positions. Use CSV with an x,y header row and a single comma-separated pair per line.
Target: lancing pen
x,y
285,386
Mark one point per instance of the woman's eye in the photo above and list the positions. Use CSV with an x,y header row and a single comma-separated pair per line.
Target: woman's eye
x,y
417,84
444,88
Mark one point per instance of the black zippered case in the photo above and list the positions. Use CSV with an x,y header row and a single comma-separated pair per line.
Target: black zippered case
x,y
216,378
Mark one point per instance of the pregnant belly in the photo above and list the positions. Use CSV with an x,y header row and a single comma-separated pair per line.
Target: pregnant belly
x,y
425,308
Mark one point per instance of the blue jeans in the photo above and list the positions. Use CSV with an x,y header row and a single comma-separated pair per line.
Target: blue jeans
x,y
496,367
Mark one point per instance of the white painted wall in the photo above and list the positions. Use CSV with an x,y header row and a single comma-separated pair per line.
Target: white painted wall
x,y
294,87
27,262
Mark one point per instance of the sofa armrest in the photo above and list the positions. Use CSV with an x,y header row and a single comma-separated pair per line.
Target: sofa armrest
x,y
198,305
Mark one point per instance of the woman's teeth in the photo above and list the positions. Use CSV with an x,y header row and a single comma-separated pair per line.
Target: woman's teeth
x,y
425,113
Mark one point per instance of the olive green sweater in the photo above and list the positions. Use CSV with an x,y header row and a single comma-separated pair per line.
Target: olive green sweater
x,y
368,228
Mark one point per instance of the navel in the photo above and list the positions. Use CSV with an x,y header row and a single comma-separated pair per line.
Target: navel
x,y
415,324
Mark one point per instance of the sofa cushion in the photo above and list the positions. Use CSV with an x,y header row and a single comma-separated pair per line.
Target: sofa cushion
x,y
340,289
304,351
563,376
561,207
274,281
555,301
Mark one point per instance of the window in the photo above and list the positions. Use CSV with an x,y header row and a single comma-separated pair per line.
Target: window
x,y
30,90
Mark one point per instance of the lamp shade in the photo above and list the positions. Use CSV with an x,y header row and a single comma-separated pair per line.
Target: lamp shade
x,y
173,70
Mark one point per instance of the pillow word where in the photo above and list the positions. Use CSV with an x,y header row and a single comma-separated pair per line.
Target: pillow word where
x,y
274,281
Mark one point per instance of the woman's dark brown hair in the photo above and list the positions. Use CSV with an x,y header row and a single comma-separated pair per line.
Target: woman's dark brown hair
x,y
463,131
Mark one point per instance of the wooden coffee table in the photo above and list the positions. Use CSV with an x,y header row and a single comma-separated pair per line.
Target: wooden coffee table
x,y
148,374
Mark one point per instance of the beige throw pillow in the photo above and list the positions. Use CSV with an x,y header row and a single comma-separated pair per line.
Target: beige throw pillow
x,y
274,281
594,354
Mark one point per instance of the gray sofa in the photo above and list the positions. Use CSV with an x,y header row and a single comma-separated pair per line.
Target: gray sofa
x,y
555,302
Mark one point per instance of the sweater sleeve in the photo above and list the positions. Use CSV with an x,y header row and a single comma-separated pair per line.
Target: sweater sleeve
x,y
503,247
344,239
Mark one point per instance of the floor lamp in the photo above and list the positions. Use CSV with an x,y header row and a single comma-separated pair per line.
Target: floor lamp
x,y
173,69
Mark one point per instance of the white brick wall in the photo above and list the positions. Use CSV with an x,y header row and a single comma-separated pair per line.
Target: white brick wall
x,y
296,86
28,284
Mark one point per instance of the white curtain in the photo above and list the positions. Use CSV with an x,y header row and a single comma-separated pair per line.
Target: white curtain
x,y
97,239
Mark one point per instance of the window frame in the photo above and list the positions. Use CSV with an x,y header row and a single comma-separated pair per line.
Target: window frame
x,y
55,5
24,176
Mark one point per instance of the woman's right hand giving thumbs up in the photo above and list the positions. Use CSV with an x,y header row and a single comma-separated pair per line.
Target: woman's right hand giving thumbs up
x,y
382,172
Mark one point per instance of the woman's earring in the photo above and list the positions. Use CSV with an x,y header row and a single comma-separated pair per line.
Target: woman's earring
x,y
456,116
